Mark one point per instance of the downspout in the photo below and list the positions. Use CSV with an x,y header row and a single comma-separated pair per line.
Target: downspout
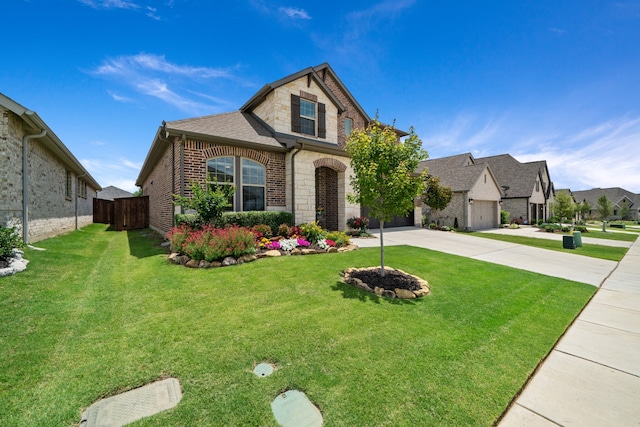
x,y
293,182
77,184
182,183
25,183
173,166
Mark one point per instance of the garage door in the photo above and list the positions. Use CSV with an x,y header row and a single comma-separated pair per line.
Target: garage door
x,y
483,215
396,221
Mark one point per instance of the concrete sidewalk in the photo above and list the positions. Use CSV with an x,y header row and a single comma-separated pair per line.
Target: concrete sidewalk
x,y
552,263
592,376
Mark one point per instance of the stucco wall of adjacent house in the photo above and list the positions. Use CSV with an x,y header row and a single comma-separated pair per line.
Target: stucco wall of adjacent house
x,y
485,189
537,195
305,188
51,211
275,110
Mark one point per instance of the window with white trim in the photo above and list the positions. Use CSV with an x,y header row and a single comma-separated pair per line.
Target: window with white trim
x,y
307,117
348,125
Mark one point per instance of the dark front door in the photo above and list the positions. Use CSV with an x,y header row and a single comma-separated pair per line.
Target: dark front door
x,y
327,197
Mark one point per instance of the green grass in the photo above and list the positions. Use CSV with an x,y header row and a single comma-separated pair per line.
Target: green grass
x,y
591,250
101,312
611,235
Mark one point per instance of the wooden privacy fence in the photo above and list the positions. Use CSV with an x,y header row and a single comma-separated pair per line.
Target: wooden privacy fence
x,y
129,213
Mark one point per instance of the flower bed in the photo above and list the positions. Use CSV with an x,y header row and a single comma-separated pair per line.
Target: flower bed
x,y
209,247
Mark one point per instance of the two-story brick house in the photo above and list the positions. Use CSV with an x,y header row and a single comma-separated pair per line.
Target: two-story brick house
x,y
283,150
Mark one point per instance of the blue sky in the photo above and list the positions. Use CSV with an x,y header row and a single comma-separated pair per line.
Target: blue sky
x,y
541,80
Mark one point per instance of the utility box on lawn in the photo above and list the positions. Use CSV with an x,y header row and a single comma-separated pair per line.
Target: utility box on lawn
x,y
577,237
568,242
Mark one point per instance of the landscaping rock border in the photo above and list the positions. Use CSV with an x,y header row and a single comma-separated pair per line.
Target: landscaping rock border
x,y
396,293
14,264
176,258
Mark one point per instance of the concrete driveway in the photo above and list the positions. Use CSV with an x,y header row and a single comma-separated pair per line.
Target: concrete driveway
x,y
552,263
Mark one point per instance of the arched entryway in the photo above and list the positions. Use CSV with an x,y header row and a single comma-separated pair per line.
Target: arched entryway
x,y
327,197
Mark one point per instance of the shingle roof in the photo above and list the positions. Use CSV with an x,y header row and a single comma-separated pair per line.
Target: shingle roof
x,y
519,177
454,171
111,192
235,126
614,194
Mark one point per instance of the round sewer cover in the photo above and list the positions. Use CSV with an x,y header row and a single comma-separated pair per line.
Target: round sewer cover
x,y
263,370
294,409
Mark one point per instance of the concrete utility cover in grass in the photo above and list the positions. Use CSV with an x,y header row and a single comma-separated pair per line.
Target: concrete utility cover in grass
x,y
294,409
263,370
133,405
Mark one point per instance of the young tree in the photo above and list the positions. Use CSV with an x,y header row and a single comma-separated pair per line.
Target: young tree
x,y
604,208
138,192
209,202
436,196
623,213
384,177
584,209
563,207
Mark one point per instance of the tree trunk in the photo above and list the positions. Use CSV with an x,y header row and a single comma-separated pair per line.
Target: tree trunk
x,y
382,248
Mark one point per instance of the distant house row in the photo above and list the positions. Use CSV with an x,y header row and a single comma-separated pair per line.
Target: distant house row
x,y
619,198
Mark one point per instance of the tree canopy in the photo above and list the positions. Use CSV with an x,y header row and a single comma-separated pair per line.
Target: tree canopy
x,y
563,207
437,196
384,177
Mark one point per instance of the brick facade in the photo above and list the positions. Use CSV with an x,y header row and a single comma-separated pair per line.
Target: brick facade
x,y
51,212
359,121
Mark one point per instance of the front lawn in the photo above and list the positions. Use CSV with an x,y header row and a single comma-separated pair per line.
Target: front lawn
x,y
587,249
101,312
626,236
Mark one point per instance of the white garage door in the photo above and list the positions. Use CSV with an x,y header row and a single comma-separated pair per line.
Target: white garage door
x,y
483,215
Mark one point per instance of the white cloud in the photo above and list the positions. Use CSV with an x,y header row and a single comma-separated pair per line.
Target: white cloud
x,y
603,155
110,4
295,13
121,173
153,75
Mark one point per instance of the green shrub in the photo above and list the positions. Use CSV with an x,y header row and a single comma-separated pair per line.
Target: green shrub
x,y
581,228
549,228
504,216
9,240
339,237
209,202
433,226
284,230
251,218
192,220
263,229
312,231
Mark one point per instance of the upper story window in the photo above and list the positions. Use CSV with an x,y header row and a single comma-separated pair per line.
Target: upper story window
x,y
308,116
537,186
250,182
348,125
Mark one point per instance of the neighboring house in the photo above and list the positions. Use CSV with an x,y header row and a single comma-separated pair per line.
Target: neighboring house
x,y
44,190
616,195
475,204
527,187
282,151
111,192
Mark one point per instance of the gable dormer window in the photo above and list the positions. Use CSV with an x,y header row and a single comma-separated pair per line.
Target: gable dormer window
x,y
307,115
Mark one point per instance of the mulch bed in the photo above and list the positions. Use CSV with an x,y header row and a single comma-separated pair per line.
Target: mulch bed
x,y
392,280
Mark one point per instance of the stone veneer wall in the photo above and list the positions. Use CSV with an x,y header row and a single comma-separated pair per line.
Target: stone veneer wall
x,y
50,212
448,216
516,207
305,186
359,121
275,110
